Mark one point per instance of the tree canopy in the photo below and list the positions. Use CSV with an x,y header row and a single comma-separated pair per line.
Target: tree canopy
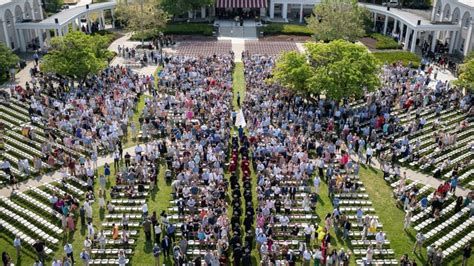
x,y
141,16
178,7
337,69
53,5
338,19
7,58
77,55
466,76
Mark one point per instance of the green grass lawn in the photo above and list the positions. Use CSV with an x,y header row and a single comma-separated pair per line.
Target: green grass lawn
x,y
401,241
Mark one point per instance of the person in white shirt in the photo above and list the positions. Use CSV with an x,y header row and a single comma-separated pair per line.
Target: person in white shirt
x,y
56,262
90,230
69,252
284,221
369,152
316,182
87,244
380,239
307,257
145,210
420,238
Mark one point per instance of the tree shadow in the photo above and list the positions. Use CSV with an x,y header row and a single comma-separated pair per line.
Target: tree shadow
x,y
101,214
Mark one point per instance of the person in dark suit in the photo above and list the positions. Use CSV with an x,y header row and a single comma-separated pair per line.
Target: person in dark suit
x,y
291,258
237,254
292,192
166,246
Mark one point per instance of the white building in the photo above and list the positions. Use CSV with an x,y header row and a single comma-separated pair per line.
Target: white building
x,y
23,25
459,13
13,12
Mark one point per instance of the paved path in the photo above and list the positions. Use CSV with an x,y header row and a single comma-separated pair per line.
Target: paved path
x,y
52,177
418,176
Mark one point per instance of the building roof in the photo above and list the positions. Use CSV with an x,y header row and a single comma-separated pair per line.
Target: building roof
x,y
65,16
410,19
469,3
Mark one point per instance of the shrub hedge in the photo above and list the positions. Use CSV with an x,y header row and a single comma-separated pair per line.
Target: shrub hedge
x,y
177,29
287,29
385,42
402,56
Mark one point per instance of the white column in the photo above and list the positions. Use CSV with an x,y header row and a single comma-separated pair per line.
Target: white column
x,y
413,41
203,12
263,12
7,39
301,12
112,13
433,42
375,20
407,37
21,40
89,24
385,25
272,10
65,29
102,19
400,35
467,43
190,14
74,25
284,11
452,41
395,25
48,36
40,38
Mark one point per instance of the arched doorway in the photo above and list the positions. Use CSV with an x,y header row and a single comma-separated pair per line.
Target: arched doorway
x,y
9,20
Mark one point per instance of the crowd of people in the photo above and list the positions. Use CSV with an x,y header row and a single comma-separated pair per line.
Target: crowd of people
x,y
292,144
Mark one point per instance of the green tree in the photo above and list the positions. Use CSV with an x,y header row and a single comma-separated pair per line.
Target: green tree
x,y
53,6
466,73
178,7
77,55
142,15
337,69
7,60
338,19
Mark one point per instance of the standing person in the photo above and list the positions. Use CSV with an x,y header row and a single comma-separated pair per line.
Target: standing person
x,y
69,252
39,248
454,184
147,229
36,58
368,153
317,255
6,259
116,161
157,229
166,246
368,255
407,222
85,257
438,258
466,254
17,245
156,254
420,238
121,258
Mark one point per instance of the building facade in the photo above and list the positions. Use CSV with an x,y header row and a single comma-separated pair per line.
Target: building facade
x,y
23,26
14,12
459,13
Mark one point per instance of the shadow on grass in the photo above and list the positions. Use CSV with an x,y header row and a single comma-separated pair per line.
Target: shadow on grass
x,y
102,214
